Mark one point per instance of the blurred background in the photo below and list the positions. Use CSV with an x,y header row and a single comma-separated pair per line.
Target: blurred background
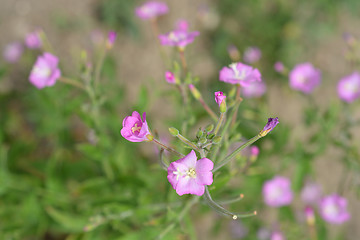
x,y
56,174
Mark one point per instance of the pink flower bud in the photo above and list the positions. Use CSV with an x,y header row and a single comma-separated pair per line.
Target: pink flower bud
x,y
111,39
170,77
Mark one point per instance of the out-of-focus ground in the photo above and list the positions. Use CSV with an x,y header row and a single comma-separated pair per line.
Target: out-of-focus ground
x,y
139,60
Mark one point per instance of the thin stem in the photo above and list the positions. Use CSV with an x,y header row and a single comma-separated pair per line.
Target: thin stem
x,y
208,109
163,164
99,66
181,215
188,142
183,60
233,154
72,82
169,149
218,125
229,201
238,99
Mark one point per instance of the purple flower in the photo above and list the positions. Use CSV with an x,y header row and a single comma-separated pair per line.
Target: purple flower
x,y
135,129
277,192
12,52
348,87
179,38
304,77
219,97
189,175
151,10
252,54
32,40
111,39
254,90
239,73
45,71
272,122
311,193
170,77
333,209
279,67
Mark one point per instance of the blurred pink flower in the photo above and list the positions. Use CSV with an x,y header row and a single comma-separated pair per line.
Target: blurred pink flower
x,y
134,128
254,90
151,10
111,39
233,52
178,37
170,77
304,77
348,87
252,55
189,175
277,235
277,192
32,40
45,71
254,151
13,52
279,67
219,97
239,73
182,24
311,193
333,209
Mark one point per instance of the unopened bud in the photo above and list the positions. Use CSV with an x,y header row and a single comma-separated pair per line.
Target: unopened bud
x,y
211,136
199,133
203,140
194,92
223,107
150,137
216,139
209,127
173,131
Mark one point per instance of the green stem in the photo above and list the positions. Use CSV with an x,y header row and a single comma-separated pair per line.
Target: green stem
x,y
238,99
169,149
218,125
208,109
99,66
188,142
72,82
233,154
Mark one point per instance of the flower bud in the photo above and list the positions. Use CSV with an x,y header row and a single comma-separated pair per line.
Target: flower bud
x,y
194,92
216,139
170,77
111,39
199,133
272,122
203,140
209,128
211,136
173,131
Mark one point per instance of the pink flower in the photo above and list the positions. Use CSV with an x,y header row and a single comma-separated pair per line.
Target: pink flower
x,y
151,10
348,87
219,97
254,90
277,235
111,39
304,77
277,192
252,55
182,25
32,40
170,77
180,37
239,73
134,128
333,209
279,67
311,193
45,71
254,151
189,175
12,52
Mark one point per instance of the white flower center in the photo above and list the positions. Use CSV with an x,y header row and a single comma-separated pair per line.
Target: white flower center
x,y
43,72
351,87
331,210
238,74
191,173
